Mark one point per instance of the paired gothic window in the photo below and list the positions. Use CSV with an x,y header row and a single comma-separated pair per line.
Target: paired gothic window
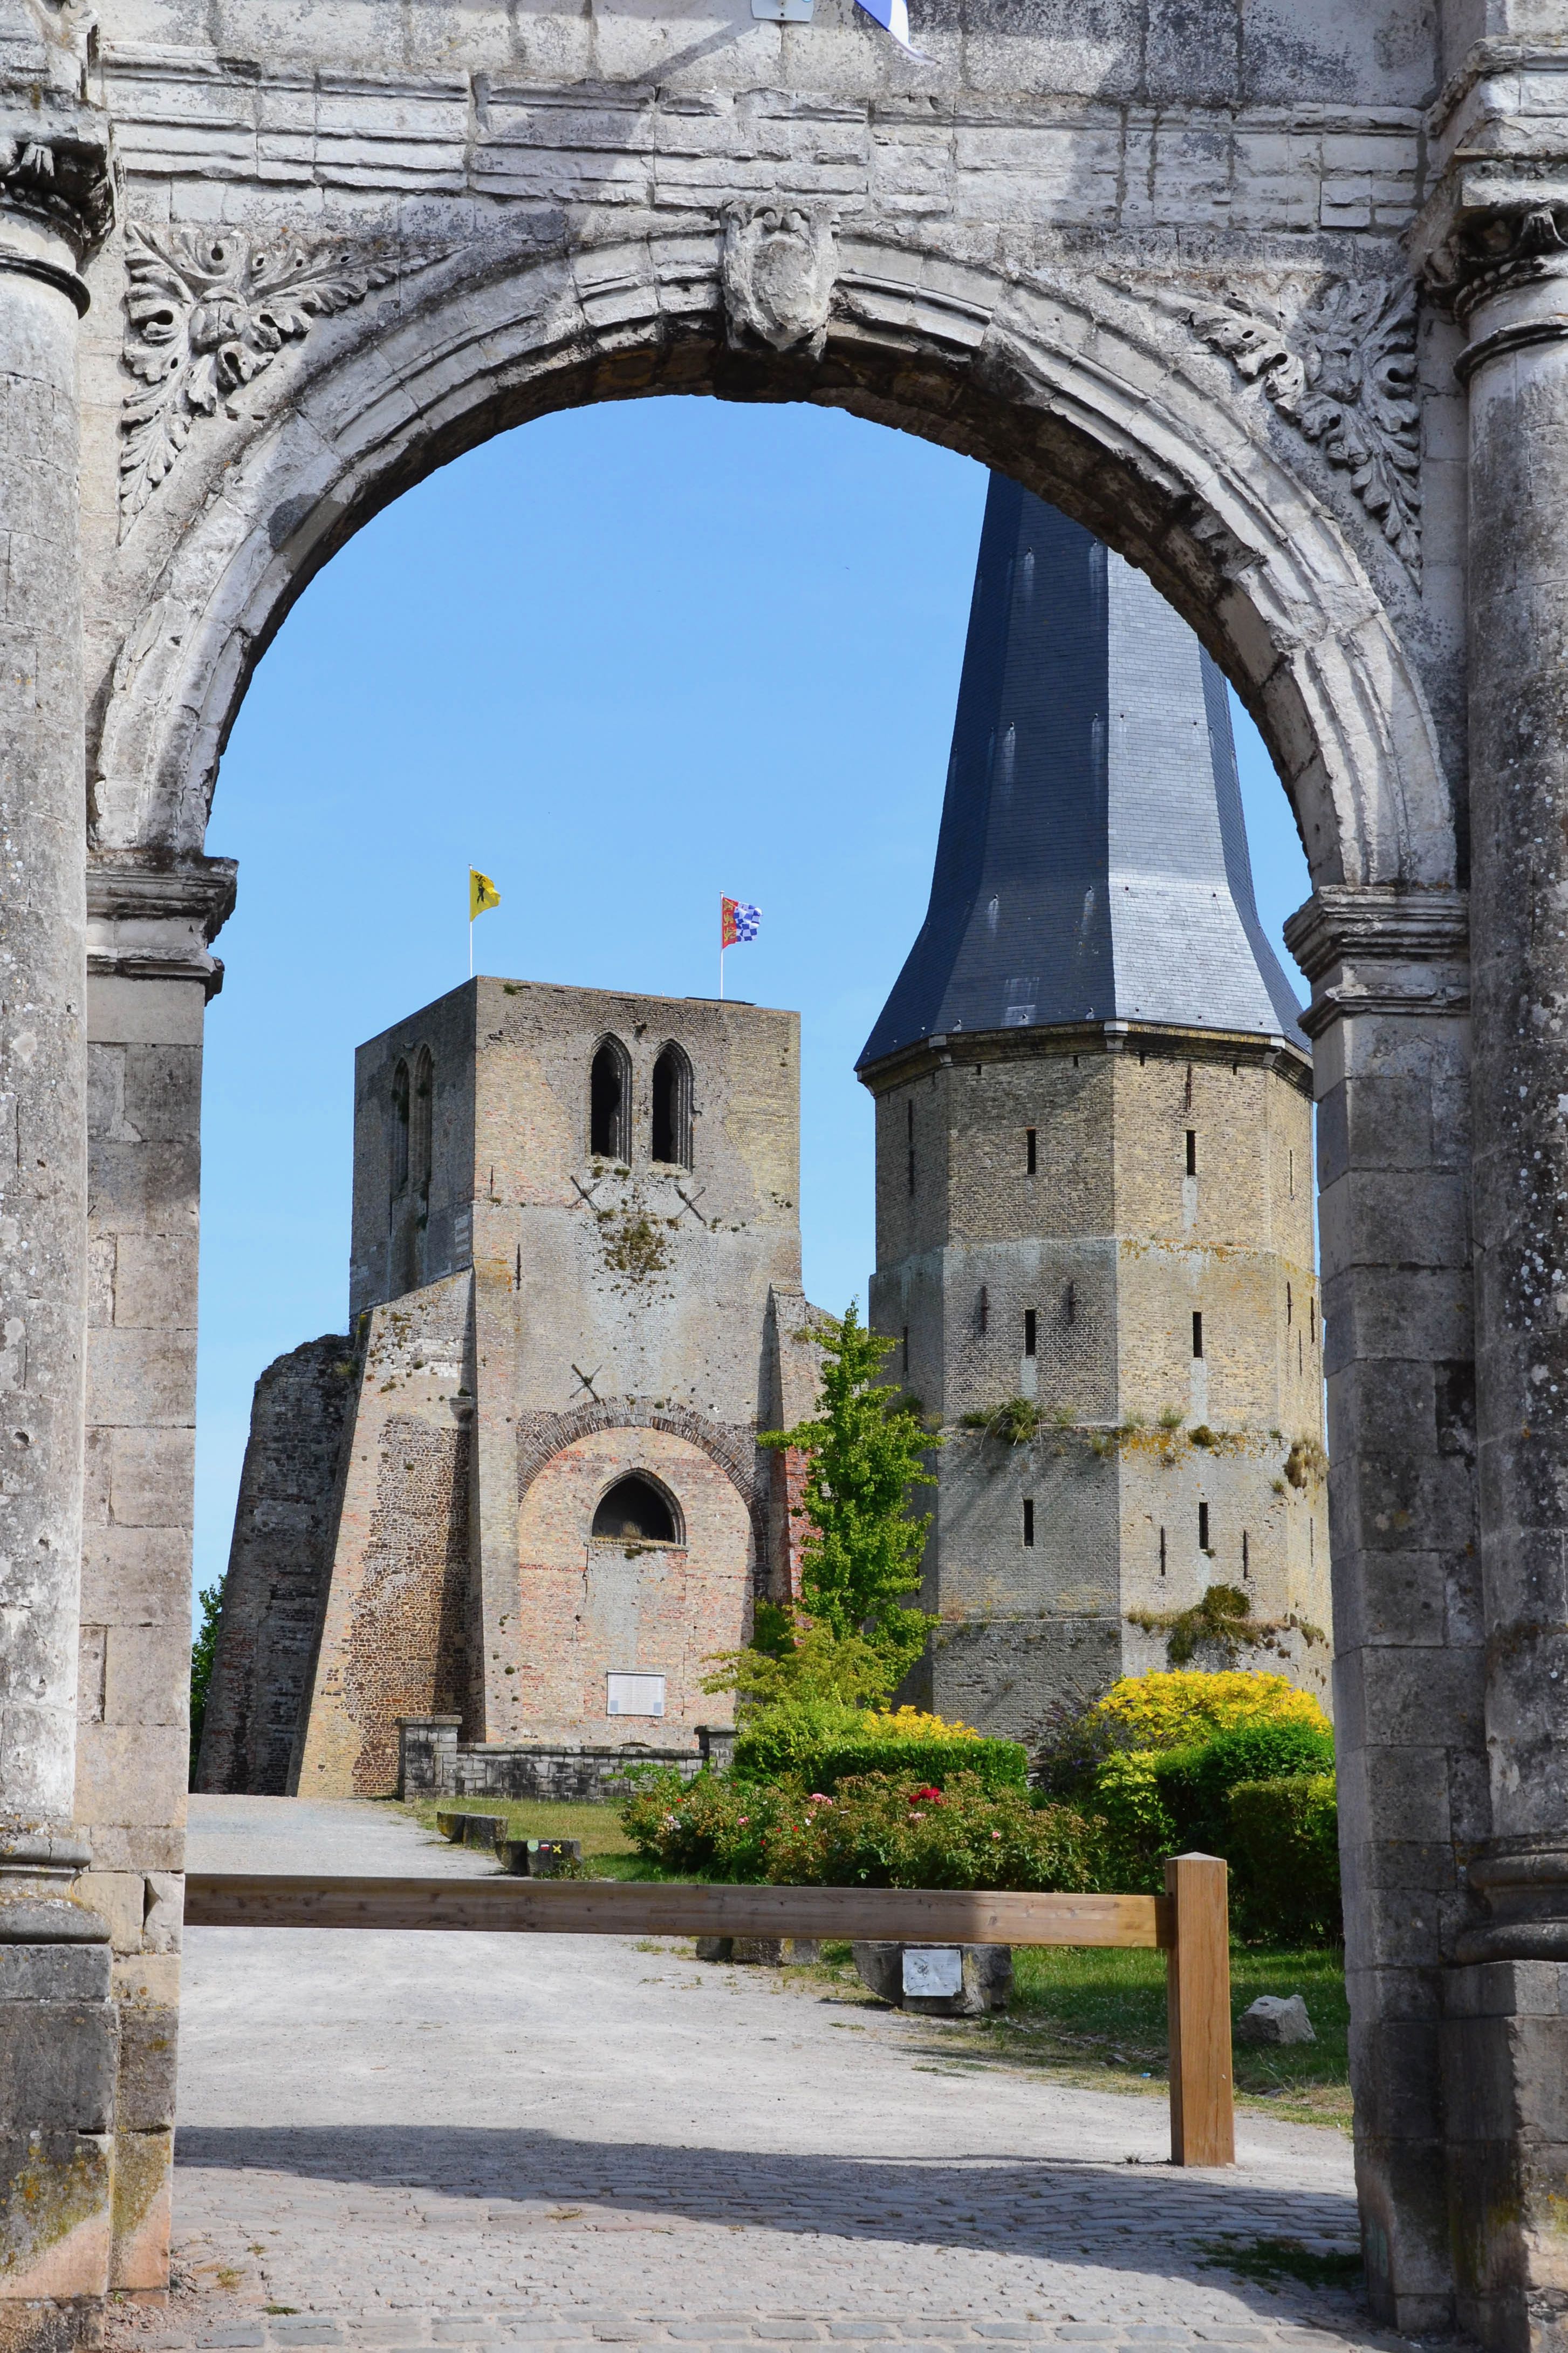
x,y
610,1105
610,1102
635,1511
672,1107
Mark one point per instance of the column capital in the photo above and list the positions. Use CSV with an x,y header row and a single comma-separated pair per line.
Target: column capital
x,y
149,920
1382,950
56,188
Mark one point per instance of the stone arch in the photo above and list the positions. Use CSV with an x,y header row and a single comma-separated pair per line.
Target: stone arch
x,y
1100,396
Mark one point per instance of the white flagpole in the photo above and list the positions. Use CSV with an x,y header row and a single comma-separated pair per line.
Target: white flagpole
x,y
471,947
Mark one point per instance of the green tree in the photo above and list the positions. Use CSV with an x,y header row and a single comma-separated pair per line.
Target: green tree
x,y
210,1601
860,1563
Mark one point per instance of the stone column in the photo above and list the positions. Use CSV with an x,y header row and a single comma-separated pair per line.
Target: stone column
x,y
56,2025
1507,2043
150,975
1390,1063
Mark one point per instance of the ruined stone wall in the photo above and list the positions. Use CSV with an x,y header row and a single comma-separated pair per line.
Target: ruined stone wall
x,y
397,1623
285,1529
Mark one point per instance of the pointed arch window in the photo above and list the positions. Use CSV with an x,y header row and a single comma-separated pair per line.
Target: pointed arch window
x,y
610,1102
672,1107
637,1511
421,1109
399,1130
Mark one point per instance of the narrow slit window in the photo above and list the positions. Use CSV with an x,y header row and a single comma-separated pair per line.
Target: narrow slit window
x,y
1028,1331
1189,1093
610,1102
1246,1556
672,1107
1203,1527
1300,1367
421,1111
1029,1519
1197,1331
1029,1163
1161,1552
984,1306
1289,1307
1191,1152
1312,1320
399,1129
1291,1158
1071,1303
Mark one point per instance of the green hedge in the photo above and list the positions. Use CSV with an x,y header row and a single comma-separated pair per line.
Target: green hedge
x,y
1194,1784
770,1755
1285,1857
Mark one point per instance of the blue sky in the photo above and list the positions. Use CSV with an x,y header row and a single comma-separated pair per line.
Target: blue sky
x,y
624,659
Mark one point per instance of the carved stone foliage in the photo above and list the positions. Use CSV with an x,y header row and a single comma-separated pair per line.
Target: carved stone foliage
x,y
62,180
780,263
1342,369
206,314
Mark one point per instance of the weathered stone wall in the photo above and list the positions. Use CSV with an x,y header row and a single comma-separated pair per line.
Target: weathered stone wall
x,y
589,1607
285,1527
395,1622
1041,1552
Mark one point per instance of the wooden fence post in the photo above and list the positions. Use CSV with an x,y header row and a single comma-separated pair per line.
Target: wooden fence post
x,y
1197,1995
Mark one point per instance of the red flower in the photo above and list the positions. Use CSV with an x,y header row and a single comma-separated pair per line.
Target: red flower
x,y
925,1797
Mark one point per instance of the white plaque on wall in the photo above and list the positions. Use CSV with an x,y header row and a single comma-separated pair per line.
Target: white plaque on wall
x,y
933,1969
636,1694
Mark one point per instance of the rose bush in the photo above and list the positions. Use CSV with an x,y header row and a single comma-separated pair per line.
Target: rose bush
x,y
874,1831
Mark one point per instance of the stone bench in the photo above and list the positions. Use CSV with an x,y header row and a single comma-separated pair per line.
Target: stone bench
x,y
471,1830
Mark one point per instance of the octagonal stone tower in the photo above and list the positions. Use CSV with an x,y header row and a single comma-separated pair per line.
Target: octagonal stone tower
x,y
1094,1186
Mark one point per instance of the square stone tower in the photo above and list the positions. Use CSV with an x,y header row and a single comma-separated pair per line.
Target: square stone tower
x,y
575,1292
1094,1175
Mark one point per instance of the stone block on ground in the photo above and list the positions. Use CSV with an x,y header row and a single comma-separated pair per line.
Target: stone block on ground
x,y
1275,2018
983,1975
537,1858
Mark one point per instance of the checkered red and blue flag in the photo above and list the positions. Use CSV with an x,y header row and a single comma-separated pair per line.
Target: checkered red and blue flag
x,y
737,921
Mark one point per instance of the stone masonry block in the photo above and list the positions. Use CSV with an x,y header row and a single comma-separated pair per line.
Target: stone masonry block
x,y
140,1378
57,2064
148,2045
155,1281
151,1476
148,1675
137,1577
117,1764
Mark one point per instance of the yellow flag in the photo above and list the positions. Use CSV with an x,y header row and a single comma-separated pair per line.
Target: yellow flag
x,y
482,893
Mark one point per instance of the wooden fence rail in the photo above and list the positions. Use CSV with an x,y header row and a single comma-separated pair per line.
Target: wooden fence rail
x,y
1188,1923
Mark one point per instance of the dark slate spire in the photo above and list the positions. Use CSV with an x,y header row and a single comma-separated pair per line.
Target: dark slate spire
x,y
1092,861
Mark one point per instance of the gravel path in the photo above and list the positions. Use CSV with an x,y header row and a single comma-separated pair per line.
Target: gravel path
x,y
417,2138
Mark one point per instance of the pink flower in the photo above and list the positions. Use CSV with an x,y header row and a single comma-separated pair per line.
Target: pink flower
x,y
819,1798
743,1820
995,1834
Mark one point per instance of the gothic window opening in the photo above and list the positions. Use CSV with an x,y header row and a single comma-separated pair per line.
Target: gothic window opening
x,y
421,1108
672,1108
634,1510
610,1102
399,1130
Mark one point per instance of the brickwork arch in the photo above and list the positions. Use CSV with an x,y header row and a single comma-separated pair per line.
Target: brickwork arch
x,y
1101,396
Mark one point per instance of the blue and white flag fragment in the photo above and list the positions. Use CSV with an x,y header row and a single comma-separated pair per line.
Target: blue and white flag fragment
x,y
893,15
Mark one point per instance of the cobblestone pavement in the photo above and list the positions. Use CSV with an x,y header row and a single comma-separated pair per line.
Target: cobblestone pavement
x,y
419,2139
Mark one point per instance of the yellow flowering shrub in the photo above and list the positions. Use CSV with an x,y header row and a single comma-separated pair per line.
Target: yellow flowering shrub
x,y
910,1724
1183,1710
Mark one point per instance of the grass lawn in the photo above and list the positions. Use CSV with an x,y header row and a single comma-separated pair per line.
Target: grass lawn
x,y
607,1852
